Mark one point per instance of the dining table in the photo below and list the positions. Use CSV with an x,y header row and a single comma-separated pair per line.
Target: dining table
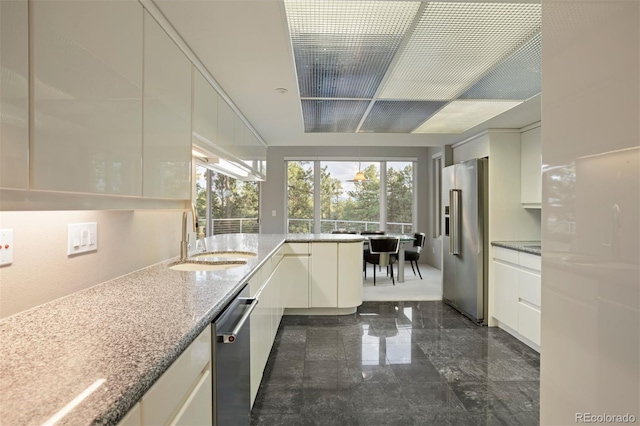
x,y
404,239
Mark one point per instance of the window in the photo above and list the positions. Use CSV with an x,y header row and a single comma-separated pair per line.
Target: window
x,y
345,204
300,183
226,205
436,202
384,200
399,197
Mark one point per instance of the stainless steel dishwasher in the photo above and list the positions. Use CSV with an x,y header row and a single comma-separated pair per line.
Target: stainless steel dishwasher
x,y
231,357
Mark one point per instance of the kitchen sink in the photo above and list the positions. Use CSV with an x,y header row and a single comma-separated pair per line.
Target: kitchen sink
x,y
226,254
206,265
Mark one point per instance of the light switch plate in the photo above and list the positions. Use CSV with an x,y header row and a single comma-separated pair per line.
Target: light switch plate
x,y
82,238
6,246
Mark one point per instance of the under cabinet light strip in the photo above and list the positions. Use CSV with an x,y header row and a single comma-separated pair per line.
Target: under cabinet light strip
x,y
182,45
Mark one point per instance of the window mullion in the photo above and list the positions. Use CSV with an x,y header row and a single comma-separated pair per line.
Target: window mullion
x,y
383,195
316,197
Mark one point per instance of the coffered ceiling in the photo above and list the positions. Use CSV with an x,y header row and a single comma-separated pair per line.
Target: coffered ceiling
x,y
369,72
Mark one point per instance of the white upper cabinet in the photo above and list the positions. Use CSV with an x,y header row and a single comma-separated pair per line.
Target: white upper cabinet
x,y
87,71
167,116
14,94
205,111
226,126
531,167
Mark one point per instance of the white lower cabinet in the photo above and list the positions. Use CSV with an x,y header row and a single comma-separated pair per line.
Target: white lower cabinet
x,y
324,275
517,293
265,318
505,294
349,275
294,277
182,395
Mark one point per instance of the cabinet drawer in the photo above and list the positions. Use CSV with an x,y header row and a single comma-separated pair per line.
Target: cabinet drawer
x,y
197,410
530,261
529,322
529,287
295,248
165,396
506,255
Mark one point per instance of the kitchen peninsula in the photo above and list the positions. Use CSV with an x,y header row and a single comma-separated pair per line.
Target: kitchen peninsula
x,y
104,348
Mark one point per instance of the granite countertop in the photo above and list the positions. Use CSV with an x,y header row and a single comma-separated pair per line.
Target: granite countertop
x,y
119,336
531,247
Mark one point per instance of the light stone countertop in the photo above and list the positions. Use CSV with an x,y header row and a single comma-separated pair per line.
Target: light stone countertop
x,y
531,247
119,336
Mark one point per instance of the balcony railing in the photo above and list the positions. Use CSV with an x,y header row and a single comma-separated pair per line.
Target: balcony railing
x,y
327,226
247,225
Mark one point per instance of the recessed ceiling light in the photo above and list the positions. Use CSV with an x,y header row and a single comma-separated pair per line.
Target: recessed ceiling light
x,y
460,116
281,90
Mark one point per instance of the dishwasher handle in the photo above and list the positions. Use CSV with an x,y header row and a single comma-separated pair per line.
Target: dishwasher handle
x,y
230,337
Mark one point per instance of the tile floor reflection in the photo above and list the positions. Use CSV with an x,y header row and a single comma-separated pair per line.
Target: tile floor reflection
x,y
397,363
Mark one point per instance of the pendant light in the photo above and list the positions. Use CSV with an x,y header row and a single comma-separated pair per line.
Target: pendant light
x,y
359,177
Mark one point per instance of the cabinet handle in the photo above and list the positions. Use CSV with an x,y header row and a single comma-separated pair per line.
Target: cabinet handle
x,y
454,238
230,337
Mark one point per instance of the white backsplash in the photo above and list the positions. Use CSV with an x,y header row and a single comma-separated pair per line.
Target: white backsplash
x,y
41,270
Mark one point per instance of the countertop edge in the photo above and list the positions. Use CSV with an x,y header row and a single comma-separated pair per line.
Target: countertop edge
x,y
520,246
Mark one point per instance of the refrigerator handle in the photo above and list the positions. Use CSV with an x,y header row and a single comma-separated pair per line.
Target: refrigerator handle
x,y
454,237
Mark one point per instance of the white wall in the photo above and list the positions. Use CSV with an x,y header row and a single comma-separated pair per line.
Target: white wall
x,y
590,348
41,270
273,195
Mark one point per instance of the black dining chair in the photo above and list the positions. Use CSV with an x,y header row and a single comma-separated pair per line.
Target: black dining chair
x,y
381,253
412,256
366,248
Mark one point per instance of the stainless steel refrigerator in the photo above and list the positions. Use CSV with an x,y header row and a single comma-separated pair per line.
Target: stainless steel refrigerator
x,y
465,245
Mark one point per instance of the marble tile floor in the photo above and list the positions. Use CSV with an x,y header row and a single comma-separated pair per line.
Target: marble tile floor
x,y
397,363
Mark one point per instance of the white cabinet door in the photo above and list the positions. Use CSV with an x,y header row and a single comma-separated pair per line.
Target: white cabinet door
x,y
87,95
197,410
167,116
324,275
226,125
531,167
165,398
505,294
205,111
295,281
14,94
256,327
132,418
529,287
529,322
349,275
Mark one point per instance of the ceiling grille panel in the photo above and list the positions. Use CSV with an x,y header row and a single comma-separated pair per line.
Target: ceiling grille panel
x,y
332,116
343,48
398,116
518,77
454,44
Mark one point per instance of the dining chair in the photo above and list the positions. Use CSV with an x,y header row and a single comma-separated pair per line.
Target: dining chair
x,y
381,253
366,249
412,256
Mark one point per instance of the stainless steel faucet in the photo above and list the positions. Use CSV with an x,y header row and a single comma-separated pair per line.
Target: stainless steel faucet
x,y
184,244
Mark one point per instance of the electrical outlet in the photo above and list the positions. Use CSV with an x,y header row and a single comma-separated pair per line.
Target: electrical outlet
x,y
6,246
82,238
